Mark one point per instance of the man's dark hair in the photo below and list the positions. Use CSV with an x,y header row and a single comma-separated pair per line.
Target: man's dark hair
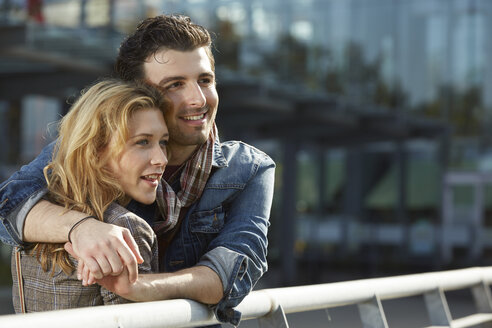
x,y
176,32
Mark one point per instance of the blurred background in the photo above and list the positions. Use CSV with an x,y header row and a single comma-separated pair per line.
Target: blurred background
x,y
377,113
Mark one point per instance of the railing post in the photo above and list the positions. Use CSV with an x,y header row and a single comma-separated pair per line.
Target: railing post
x,y
275,319
437,308
483,300
372,313
481,296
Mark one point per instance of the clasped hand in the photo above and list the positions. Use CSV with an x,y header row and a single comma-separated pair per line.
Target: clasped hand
x,y
103,250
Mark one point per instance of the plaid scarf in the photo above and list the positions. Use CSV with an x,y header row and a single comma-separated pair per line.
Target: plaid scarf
x,y
193,180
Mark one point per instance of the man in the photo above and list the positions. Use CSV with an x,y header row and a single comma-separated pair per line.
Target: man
x,y
215,202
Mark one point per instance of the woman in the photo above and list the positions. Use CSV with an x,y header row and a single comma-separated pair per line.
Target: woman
x,y
111,149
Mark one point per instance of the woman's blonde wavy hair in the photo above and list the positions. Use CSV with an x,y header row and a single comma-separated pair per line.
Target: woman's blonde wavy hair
x,y
77,178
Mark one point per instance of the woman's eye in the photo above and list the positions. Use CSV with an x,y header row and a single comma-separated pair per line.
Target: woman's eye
x,y
143,142
163,143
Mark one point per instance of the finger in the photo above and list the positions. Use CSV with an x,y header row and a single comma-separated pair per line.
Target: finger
x,y
115,262
92,266
128,257
130,264
69,248
80,269
80,264
104,265
91,279
85,275
133,246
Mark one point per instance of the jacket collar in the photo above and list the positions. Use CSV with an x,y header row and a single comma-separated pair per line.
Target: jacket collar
x,y
218,159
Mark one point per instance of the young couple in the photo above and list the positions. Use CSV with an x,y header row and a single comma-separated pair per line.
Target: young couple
x,y
212,206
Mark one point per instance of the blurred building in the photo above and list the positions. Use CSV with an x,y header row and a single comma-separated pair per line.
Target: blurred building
x,y
369,108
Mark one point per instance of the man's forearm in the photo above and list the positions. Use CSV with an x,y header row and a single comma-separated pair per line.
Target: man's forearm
x,y
50,223
198,283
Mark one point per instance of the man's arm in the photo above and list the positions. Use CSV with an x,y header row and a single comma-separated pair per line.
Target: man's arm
x,y
238,253
197,283
19,194
104,248
236,259
230,269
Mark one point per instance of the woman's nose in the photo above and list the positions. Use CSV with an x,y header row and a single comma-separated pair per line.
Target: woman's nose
x,y
159,157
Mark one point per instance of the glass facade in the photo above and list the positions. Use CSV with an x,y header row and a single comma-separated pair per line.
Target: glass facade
x,y
415,58
414,55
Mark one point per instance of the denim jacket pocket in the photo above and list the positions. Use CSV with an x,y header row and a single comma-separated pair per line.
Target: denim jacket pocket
x,y
210,221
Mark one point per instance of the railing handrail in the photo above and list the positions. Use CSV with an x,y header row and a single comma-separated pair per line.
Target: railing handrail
x,y
262,303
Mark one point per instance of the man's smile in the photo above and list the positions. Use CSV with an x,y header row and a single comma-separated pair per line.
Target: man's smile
x,y
194,117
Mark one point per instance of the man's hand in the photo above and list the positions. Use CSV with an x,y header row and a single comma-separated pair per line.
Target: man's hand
x,y
103,249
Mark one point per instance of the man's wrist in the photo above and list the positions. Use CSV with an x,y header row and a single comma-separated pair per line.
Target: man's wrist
x,y
49,223
146,289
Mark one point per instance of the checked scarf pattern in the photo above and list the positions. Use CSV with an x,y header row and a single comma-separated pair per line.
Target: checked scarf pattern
x,y
193,180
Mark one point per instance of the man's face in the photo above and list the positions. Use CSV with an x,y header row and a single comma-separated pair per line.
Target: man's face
x,y
189,82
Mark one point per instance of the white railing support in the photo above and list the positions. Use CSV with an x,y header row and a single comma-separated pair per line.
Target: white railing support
x,y
372,313
275,319
270,306
437,308
483,300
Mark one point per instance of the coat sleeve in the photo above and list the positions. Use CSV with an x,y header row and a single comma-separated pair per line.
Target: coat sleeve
x,y
19,194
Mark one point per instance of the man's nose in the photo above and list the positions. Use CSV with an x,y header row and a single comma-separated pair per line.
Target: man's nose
x,y
196,97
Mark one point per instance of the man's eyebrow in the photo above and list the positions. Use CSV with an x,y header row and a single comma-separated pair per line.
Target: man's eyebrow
x,y
207,74
170,78
178,78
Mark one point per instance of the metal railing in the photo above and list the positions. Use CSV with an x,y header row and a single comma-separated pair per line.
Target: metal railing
x,y
269,306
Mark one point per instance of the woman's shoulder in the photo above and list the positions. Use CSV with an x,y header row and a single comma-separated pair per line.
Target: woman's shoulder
x,y
120,216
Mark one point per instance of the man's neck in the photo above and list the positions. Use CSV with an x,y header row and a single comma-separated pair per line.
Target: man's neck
x,y
180,154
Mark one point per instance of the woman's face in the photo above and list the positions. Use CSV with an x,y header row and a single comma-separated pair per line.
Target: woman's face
x,y
140,165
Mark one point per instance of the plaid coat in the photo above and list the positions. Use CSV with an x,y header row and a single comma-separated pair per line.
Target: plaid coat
x,y
43,292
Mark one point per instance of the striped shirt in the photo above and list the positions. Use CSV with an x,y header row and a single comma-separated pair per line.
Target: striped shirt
x,y
44,292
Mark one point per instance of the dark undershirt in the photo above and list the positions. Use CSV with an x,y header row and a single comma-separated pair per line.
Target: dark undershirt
x,y
169,171
166,238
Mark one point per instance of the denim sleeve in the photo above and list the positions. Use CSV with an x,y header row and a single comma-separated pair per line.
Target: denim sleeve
x,y
19,194
238,253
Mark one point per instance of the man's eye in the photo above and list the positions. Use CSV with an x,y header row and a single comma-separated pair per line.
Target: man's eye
x,y
174,85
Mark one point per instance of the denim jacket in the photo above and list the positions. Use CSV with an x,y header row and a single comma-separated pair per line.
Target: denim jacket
x,y
225,230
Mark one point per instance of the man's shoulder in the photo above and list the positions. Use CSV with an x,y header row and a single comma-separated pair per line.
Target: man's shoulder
x,y
240,153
